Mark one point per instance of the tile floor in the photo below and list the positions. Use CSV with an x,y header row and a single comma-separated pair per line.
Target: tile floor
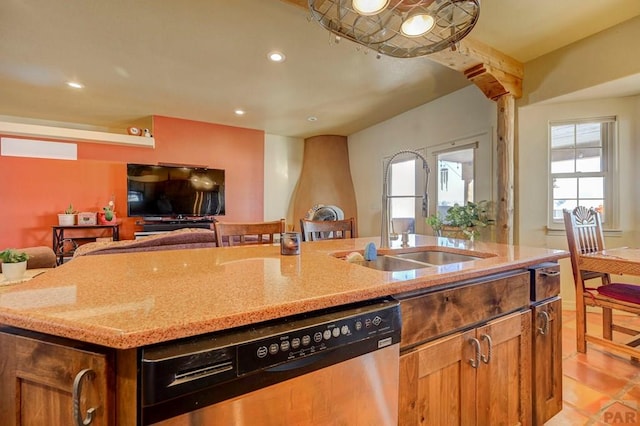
x,y
599,388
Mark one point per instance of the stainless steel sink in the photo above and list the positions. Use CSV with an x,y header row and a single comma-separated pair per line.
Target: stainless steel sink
x,y
433,257
392,264
415,260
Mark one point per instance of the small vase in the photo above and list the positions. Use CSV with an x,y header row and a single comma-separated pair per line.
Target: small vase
x,y
102,220
14,271
66,219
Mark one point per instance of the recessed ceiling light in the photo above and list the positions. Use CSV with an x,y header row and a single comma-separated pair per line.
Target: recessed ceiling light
x,y
75,84
276,56
240,112
312,118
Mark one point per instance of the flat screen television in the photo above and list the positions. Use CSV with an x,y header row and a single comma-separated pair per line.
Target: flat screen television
x,y
174,192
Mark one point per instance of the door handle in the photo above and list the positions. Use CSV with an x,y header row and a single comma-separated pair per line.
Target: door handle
x,y
77,392
546,319
487,359
475,361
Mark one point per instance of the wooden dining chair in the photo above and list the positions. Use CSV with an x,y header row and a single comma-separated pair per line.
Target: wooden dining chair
x,y
314,230
248,233
584,235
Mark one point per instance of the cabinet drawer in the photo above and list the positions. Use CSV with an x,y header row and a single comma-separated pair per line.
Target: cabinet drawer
x,y
545,281
430,315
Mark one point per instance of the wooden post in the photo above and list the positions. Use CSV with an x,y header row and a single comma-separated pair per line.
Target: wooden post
x,y
505,159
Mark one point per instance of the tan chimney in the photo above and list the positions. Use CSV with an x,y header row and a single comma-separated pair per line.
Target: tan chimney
x,y
325,177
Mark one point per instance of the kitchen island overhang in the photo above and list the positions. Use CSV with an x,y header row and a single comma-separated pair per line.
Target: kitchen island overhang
x,y
137,299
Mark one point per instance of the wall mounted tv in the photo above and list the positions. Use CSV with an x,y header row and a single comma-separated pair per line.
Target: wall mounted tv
x,y
174,191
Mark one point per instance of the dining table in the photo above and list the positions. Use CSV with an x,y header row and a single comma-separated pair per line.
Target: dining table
x,y
615,261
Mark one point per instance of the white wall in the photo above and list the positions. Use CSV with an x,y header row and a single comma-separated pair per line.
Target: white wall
x,y
458,116
601,58
282,165
577,70
533,173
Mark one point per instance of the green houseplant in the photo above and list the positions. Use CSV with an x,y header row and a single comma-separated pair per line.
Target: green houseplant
x,y
108,214
68,217
461,220
14,264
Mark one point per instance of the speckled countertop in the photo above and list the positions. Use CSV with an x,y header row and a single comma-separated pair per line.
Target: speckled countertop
x,y
130,300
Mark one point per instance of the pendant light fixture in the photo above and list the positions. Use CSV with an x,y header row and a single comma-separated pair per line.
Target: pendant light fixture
x,y
398,28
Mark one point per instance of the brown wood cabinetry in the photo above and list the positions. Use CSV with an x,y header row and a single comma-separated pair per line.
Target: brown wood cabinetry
x,y
547,360
43,382
546,314
466,355
480,376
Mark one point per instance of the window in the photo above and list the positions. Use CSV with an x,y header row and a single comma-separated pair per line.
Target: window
x,y
455,177
581,164
406,187
402,183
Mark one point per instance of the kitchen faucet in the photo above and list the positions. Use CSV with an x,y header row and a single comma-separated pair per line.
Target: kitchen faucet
x,y
386,204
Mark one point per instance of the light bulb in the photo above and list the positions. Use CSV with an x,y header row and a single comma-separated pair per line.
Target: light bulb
x,y
369,7
417,25
276,56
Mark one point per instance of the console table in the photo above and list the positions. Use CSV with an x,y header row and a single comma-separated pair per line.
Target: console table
x,y
59,238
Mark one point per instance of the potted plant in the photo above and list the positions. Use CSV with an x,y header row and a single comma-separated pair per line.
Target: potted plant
x,y
108,215
68,218
461,221
14,264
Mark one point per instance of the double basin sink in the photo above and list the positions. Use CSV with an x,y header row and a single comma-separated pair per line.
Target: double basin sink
x,y
419,258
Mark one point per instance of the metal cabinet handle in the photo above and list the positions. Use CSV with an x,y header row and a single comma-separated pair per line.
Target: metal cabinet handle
x,y
476,345
550,273
77,392
546,319
487,359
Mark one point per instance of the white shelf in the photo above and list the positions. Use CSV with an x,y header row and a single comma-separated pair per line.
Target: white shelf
x,y
77,135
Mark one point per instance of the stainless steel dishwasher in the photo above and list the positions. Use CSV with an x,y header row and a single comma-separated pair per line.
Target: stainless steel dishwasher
x,y
334,367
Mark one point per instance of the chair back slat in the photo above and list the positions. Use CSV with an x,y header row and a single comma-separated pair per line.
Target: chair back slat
x,y
584,235
588,228
248,233
314,230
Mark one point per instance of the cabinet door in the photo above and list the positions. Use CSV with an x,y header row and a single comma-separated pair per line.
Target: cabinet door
x,y
504,372
547,360
40,382
437,383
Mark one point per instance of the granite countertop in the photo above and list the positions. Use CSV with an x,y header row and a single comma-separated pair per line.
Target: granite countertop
x,y
130,300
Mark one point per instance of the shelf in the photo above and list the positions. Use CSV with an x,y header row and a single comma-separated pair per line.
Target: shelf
x,y
59,238
77,135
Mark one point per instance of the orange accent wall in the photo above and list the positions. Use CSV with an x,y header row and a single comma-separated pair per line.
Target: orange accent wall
x,y
33,191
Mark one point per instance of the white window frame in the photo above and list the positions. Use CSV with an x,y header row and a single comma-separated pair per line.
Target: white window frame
x,y
610,172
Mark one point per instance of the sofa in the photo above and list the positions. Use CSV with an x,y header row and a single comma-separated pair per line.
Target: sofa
x,y
185,238
39,257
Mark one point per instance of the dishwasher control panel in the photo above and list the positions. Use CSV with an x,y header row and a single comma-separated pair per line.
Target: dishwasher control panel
x,y
186,374
303,338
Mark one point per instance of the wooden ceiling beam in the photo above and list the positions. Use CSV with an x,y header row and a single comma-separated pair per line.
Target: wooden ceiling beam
x,y
492,71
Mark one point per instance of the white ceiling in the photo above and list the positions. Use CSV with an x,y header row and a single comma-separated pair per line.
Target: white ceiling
x,y
201,59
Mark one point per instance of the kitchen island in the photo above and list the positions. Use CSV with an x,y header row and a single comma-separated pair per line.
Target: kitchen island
x,y
106,307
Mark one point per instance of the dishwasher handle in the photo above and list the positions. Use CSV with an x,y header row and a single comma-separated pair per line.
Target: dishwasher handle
x,y
298,363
